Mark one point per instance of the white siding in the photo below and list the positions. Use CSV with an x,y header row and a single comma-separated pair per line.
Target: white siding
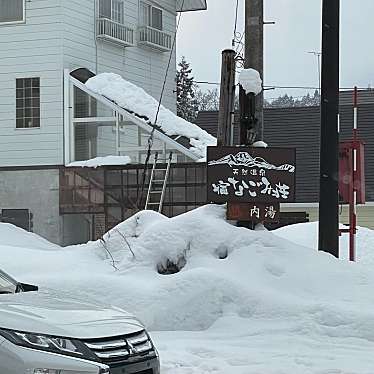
x,y
32,49
60,34
143,67
140,66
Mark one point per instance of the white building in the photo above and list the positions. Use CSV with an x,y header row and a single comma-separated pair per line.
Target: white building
x,y
46,118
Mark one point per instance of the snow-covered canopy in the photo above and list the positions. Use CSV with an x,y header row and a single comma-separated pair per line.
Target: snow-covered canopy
x,y
134,99
245,302
101,161
251,81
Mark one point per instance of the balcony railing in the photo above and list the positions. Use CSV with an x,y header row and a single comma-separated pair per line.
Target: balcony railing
x,y
155,39
115,32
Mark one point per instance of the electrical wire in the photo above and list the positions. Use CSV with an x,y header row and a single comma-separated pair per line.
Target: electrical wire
x,y
289,87
240,41
236,23
151,137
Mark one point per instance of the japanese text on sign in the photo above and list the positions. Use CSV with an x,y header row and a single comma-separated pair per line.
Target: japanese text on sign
x,y
254,212
244,174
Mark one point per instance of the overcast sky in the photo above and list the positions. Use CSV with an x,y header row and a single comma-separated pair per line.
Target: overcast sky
x,y
203,35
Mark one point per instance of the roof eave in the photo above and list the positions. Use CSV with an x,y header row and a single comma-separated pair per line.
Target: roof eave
x,y
191,5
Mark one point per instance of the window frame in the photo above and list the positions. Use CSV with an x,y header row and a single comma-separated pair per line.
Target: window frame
x,y
122,22
112,11
24,107
150,16
17,22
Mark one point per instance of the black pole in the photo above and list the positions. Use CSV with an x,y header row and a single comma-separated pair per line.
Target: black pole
x,y
251,106
329,152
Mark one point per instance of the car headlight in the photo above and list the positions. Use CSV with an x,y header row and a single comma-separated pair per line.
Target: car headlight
x,y
64,346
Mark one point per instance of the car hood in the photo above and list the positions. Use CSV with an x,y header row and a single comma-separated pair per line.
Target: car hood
x,y
51,313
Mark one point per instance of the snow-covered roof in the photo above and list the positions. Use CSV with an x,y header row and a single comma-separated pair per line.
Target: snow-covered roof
x,y
101,161
138,102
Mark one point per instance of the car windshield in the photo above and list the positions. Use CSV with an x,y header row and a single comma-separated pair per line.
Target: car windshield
x,y
7,284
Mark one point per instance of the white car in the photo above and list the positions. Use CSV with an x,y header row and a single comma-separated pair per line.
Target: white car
x,y
45,333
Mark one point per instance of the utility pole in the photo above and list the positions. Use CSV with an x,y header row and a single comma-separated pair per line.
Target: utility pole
x,y
227,98
251,124
329,152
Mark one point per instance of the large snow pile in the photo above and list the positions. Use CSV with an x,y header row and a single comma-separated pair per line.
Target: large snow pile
x,y
14,236
243,302
251,81
101,161
135,100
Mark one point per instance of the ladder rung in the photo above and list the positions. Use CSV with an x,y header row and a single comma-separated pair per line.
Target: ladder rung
x,y
153,203
158,181
160,169
158,191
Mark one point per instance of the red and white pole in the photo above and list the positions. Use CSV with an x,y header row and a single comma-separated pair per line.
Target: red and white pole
x,y
353,202
355,112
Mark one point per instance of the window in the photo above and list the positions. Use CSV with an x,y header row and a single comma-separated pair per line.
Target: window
x,y
19,217
156,18
6,285
112,9
12,11
27,102
118,11
151,16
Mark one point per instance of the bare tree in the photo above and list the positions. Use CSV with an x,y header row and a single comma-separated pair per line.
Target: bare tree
x,y
208,100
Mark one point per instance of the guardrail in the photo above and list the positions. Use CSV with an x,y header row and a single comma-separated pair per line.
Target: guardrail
x,y
115,32
155,39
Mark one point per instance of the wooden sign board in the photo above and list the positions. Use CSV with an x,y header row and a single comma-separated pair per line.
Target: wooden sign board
x,y
255,212
251,175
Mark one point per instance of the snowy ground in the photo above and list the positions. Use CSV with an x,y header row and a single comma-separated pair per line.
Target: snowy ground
x,y
269,306
307,234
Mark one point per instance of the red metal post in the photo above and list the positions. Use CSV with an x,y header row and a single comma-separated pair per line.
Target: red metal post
x,y
352,178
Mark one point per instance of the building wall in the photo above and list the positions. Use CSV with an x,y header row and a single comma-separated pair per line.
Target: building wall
x,y
76,229
365,214
32,49
38,191
58,35
143,67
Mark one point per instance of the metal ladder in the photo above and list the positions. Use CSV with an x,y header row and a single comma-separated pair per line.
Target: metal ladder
x,y
154,183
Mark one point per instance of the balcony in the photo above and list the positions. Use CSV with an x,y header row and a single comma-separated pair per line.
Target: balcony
x,y
115,32
155,39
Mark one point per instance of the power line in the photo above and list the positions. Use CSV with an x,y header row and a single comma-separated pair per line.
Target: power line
x,y
289,87
206,82
293,87
236,23
293,97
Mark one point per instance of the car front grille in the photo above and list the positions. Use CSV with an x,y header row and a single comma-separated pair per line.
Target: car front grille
x,y
120,348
